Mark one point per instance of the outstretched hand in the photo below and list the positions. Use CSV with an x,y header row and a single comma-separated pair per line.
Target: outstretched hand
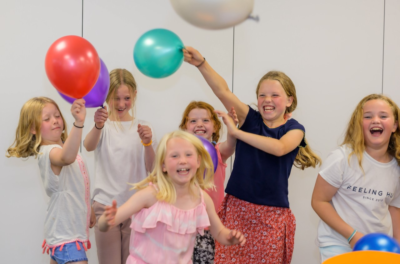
x,y
110,212
228,121
192,56
236,237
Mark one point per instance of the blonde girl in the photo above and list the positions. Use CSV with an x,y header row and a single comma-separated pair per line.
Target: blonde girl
x,y
42,133
357,191
171,206
268,144
124,152
200,119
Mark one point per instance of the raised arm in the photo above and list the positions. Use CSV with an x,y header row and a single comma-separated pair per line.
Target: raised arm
x,y
227,148
113,216
217,83
93,137
222,234
60,157
321,198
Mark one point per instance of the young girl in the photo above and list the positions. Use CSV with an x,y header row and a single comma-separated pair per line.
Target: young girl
x,y
41,132
171,206
267,146
200,119
124,152
358,189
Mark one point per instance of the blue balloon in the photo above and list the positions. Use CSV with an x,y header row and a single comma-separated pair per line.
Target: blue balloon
x,y
158,53
378,242
211,150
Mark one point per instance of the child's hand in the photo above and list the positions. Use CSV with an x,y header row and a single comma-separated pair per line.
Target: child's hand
x,y
192,56
100,117
355,239
145,133
110,212
236,237
78,111
228,121
233,115
92,218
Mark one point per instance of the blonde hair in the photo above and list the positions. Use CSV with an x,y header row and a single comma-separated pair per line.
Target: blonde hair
x,y
120,77
204,177
354,137
27,144
305,157
214,117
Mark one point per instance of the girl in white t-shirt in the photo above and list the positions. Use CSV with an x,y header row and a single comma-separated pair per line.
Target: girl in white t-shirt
x,y
358,188
124,152
41,132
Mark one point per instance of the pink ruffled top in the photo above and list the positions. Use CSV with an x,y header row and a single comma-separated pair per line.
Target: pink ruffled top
x,y
164,233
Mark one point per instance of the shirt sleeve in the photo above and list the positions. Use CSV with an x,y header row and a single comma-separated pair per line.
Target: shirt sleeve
x,y
294,125
333,167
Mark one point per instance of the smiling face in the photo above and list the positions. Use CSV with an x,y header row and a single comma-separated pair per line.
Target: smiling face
x,y
378,124
181,161
199,123
122,103
52,125
272,102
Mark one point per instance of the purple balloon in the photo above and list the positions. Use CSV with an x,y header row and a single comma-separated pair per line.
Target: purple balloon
x,y
98,94
211,150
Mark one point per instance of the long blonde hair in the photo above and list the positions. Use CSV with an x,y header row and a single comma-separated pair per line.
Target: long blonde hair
x,y
120,77
214,117
27,144
305,157
204,177
354,137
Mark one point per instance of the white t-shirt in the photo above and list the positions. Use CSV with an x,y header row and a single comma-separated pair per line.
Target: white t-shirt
x,y
362,200
68,213
119,160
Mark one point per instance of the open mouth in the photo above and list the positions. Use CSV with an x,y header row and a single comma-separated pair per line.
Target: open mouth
x,y
183,170
268,108
200,132
376,131
121,110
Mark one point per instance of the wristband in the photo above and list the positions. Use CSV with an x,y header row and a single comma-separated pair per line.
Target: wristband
x,y
99,128
352,235
148,144
204,59
77,126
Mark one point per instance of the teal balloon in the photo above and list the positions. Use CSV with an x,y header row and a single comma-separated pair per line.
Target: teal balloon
x,y
158,53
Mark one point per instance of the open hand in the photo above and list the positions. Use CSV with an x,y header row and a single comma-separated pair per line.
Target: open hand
x,y
110,212
228,121
236,237
233,115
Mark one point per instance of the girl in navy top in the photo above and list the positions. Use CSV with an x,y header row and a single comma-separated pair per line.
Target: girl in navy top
x,y
268,144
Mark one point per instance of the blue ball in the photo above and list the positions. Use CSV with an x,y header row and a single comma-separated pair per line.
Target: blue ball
x,y
158,53
378,242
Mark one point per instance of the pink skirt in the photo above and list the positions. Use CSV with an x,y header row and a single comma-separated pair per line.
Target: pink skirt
x,y
269,232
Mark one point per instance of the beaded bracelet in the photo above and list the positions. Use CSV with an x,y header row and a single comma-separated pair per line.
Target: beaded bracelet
x,y
77,126
148,144
352,235
204,59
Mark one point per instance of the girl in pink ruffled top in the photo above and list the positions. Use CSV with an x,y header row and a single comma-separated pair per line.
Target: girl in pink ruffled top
x,y
171,206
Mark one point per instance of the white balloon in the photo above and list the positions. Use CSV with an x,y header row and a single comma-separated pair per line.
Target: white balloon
x,y
213,14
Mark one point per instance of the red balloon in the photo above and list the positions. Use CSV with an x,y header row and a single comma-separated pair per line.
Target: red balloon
x,y
72,66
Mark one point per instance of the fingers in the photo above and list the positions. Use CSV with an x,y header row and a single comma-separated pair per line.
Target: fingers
x,y
101,115
238,237
145,133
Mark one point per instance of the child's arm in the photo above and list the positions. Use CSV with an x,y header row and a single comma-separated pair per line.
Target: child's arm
x,y
217,83
321,197
60,157
222,234
114,216
276,147
395,215
227,148
93,137
146,135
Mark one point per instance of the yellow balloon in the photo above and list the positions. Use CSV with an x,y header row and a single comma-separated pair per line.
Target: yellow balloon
x,y
364,257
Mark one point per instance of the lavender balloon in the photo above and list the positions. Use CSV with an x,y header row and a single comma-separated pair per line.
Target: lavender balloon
x,y
98,94
211,150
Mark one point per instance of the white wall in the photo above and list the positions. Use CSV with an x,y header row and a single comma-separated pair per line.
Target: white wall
x,y
334,51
